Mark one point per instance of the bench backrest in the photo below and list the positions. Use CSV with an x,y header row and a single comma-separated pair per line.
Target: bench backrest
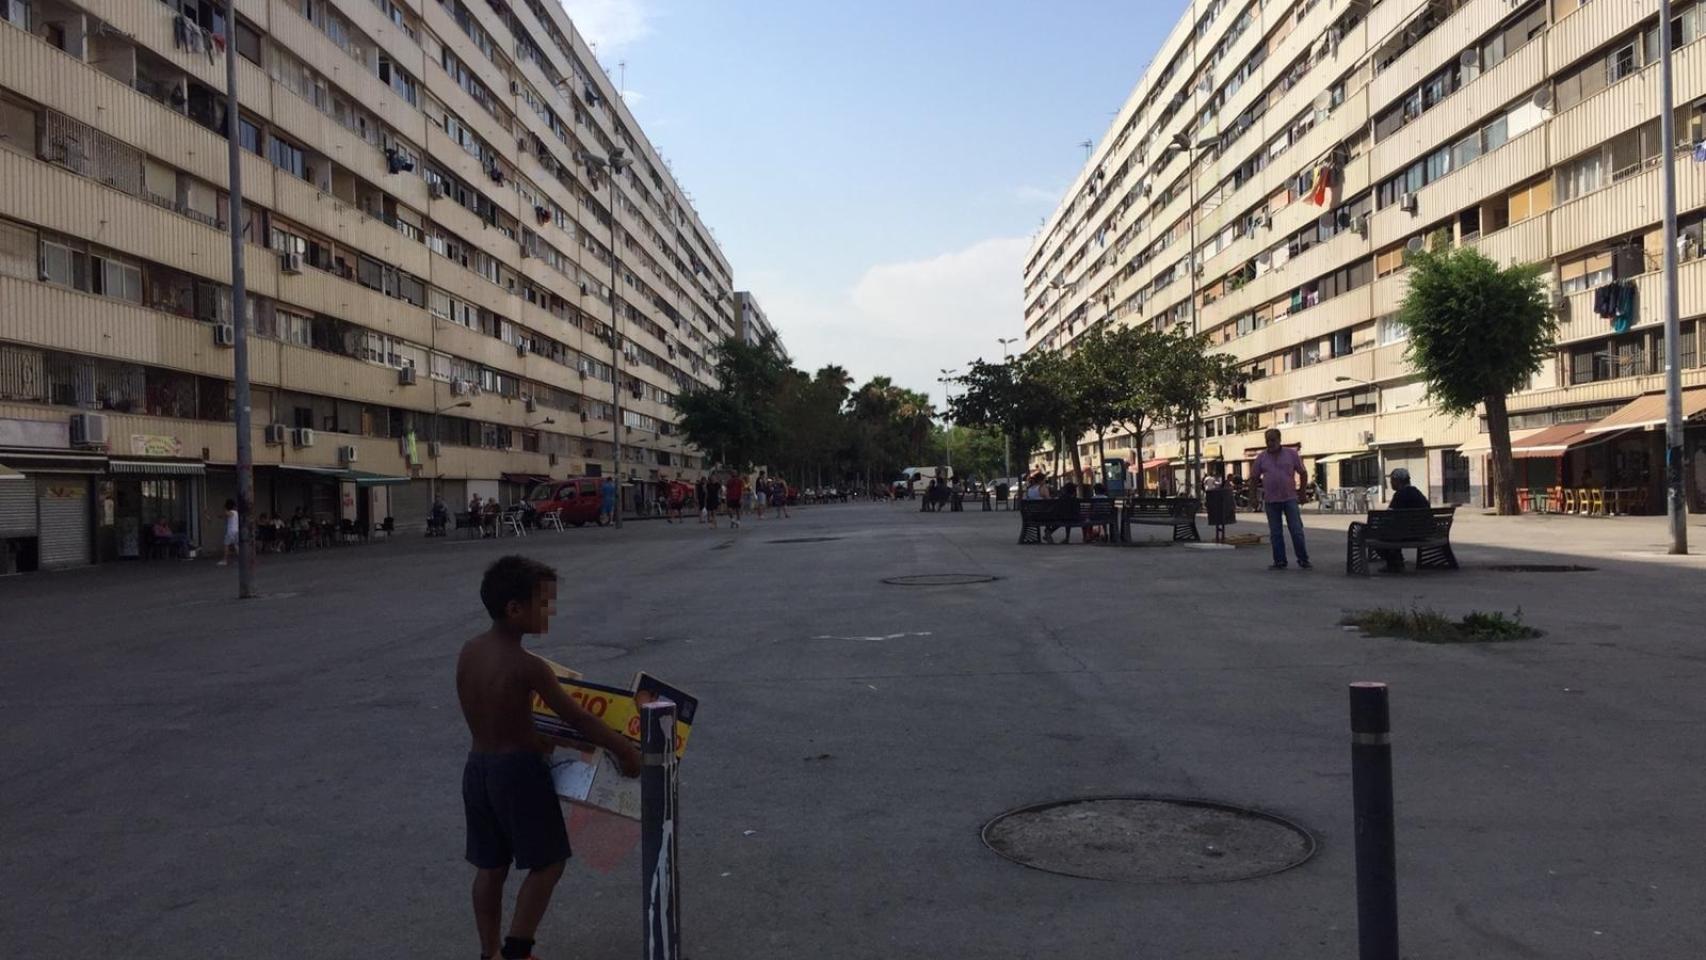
x,y
1161,508
1099,511
1429,524
1048,509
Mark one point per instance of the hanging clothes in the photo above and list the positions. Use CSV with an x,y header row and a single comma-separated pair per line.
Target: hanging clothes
x,y
1626,311
1700,152
1605,301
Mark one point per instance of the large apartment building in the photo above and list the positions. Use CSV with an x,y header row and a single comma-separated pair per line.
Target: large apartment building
x,y
1277,161
448,290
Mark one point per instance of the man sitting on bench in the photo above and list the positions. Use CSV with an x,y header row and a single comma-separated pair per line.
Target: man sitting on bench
x,y
1405,496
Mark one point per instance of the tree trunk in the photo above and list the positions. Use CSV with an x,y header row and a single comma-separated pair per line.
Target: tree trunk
x,y
1504,467
1077,464
1059,443
1137,451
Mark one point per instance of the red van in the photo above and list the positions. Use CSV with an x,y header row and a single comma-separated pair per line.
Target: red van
x,y
577,497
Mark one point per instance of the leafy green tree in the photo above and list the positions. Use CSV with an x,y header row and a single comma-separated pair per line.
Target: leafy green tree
x,y
738,421
1183,377
1478,332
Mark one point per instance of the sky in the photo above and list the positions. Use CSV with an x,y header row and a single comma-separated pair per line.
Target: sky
x,y
875,172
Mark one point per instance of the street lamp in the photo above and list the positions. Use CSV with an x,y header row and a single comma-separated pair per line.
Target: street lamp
x,y
1182,144
1006,436
947,434
437,469
612,167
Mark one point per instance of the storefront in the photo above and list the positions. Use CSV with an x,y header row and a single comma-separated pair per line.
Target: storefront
x,y
1406,454
1636,454
137,494
47,508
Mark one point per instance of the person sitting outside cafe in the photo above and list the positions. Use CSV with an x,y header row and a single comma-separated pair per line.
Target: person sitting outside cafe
x,y
1405,496
163,534
439,518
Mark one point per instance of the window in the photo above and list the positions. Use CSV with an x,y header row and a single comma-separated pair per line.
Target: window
x,y
1621,63
57,263
114,278
287,156
248,136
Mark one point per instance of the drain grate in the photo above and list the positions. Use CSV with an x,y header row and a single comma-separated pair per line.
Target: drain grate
x,y
1148,840
939,580
804,540
1541,568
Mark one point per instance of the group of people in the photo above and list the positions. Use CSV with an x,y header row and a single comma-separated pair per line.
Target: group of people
x,y
733,498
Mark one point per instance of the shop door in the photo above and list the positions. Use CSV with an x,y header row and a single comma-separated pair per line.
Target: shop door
x,y
411,502
63,508
17,508
1454,478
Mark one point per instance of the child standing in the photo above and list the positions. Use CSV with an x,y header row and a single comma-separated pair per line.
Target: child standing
x,y
230,533
508,798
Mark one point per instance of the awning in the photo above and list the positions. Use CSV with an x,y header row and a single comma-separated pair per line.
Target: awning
x,y
1152,464
364,479
1648,411
329,473
34,460
158,468
1555,441
1401,442
7,473
527,478
1483,442
1336,457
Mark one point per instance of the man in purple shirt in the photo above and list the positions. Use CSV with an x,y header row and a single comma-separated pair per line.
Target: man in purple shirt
x,y
1279,470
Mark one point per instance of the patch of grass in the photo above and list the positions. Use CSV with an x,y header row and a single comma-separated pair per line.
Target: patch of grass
x,y
1428,626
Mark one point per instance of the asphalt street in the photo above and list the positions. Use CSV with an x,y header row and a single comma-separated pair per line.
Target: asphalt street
x,y
185,774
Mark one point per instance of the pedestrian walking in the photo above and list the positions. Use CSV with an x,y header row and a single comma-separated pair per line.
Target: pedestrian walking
x,y
607,502
230,533
779,497
700,498
1279,471
735,489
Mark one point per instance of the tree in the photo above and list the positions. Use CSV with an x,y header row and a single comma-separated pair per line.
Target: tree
x,y
1183,376
1478,332
737,422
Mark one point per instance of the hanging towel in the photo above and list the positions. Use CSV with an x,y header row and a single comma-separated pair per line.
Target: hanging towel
x,y
1318,190
1605,301
1626,307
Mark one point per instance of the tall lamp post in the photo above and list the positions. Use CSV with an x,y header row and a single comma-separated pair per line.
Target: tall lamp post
x,y
612,167
1676,507
239,318
946,378
437,470
1183,144
1006,436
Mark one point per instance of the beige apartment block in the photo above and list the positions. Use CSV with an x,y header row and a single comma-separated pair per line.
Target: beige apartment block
x,y
445,294
1325,139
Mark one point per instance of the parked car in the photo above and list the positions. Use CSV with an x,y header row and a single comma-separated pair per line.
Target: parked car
x,y
576,497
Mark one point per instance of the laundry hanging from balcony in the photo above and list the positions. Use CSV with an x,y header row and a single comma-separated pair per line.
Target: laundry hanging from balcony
x,y
1322,183
1619,303
190,36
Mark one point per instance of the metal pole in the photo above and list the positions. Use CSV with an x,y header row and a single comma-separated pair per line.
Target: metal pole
x,y
239,318
1376,849
1675,506
659,872
615,347
1195,476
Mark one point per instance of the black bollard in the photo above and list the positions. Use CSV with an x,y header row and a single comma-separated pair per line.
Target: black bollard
x,y
1376,848
659,874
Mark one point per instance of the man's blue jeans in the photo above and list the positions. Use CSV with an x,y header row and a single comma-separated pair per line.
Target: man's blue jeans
x,y
1293,519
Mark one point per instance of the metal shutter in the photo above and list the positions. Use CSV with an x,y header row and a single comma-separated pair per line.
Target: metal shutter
x,y
410,504
17,508
64,512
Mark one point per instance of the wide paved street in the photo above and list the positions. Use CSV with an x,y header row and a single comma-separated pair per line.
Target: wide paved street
x,y
187,775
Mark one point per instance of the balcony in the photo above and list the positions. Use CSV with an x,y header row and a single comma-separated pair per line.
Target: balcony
x,y
1463,110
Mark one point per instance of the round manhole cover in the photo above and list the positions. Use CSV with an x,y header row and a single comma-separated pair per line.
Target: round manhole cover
x,y
1540,568
804,540
1148,840
939,580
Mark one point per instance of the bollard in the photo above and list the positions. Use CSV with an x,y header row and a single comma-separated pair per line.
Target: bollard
x,y
1376,849
659,873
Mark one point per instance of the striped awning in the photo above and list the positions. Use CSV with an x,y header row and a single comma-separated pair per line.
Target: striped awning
x,y
32,460
7,473
158,468
1648,411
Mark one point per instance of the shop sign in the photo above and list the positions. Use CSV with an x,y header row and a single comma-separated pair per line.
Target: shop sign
x,y
154,445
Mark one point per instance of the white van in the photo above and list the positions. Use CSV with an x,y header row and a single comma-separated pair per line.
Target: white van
x,y
917,479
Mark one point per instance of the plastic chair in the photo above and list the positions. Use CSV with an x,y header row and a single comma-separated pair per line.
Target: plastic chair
x,y
1569,496
553,520
1598,497
512,520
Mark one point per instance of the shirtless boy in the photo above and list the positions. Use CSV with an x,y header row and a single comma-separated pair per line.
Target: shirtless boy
x,y
507,794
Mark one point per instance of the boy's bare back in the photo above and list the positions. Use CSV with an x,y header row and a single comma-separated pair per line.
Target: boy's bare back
x,y
495,682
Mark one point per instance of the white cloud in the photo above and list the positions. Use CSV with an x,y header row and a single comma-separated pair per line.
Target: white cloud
x,y
611,25
905,320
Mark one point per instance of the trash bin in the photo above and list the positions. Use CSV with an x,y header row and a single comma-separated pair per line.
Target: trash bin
x,y
1222,509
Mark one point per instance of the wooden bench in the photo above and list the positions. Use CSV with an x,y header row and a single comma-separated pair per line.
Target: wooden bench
x,y
1428,532
1180,513
1037,515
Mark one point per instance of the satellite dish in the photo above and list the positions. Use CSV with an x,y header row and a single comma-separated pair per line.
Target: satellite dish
x,y
1415,244
1324,101
1470,57
1542,98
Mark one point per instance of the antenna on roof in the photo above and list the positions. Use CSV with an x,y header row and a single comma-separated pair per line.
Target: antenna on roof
x,y
1088,145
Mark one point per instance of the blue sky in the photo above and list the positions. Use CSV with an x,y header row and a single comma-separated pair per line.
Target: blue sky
x,y
875,171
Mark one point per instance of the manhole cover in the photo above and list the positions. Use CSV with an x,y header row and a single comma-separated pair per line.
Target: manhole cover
x,y
939,580
1148,840
1540,568
804,540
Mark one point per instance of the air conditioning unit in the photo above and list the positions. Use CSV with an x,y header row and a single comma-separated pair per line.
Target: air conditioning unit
x,y
530,405
434,448
276,434
1367,437
459,387
514,87
302,437
406,376
435,189
290,264
521,349
224,335
1359,225
88,430
1407,203
553,459
348,454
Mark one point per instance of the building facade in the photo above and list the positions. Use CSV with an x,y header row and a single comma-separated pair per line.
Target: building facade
x,y
448,290
1277,163
750,320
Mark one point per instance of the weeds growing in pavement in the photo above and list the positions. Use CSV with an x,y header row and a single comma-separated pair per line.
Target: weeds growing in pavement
x,y
1428,626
